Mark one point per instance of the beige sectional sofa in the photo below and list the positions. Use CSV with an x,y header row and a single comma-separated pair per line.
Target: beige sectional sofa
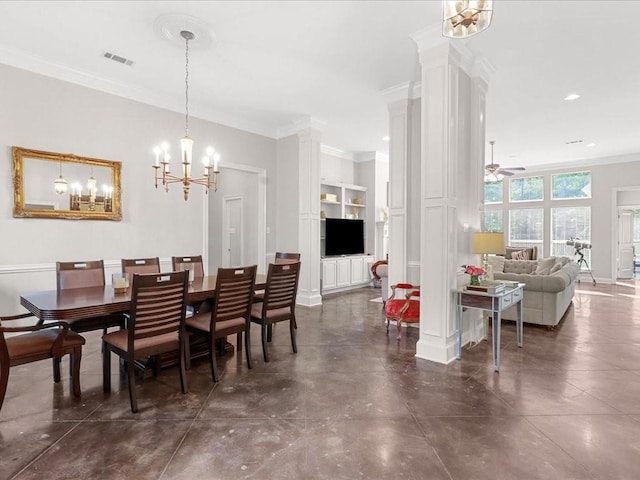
x,y
549,286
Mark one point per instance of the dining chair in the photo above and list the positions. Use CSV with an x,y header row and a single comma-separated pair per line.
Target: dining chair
x,y
403,306
194,262
281,257
141,265
279,303
155,325
38,342
230,312
80,275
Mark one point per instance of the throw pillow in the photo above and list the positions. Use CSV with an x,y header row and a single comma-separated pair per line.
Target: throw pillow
x,y
545,265
496,262
521,255
556,268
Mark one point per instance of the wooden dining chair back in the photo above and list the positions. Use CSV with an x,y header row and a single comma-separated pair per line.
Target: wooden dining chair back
x,y
38,342
188,263
230,313
281,258
141,265
80,275
155,325
279,303
403,306
287,257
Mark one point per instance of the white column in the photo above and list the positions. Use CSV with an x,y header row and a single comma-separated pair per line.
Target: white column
x,y
309,139
449,133
398,168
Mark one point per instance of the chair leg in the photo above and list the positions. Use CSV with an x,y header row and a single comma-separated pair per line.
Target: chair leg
x,y
247,345
4,380
212,360
183,364
265,339
399,323
76,357
292,330
270,332
56,369
106,369
387,325
239,341
131,374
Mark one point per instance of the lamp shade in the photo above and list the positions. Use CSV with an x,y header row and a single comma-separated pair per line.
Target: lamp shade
x,y
488,242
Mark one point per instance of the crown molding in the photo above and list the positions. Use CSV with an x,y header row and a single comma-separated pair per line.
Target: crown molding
x,y
582,164
336,152
39,65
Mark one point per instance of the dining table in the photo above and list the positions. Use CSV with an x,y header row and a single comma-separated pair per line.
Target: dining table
x,y
88,302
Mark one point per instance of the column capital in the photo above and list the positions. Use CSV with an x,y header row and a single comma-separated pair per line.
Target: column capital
x,y
404,91
300,124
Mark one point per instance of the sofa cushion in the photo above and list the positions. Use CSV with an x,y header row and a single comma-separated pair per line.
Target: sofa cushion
x,y
520,255
520,266
556,267
544,266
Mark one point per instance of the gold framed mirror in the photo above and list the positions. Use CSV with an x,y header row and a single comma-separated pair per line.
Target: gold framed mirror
x,y
58,185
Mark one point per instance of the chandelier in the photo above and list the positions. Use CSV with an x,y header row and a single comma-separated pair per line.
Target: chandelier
x,y
464,18
210,160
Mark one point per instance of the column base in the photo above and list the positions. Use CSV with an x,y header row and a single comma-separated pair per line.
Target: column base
x,y
436,352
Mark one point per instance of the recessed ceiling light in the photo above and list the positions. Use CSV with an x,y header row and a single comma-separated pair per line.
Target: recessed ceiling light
x,y
572,96
591,144
386,138
573,142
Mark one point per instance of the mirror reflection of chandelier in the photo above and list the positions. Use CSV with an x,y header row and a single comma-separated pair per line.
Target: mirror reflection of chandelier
x,y
210,160
465,18
60,184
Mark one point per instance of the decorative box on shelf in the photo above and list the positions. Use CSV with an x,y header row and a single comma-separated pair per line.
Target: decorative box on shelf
x,y
329,197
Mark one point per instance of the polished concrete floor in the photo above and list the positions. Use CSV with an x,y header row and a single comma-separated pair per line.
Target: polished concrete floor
x,y
353,404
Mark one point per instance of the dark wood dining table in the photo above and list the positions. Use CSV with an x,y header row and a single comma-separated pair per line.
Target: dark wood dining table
x,y
77,303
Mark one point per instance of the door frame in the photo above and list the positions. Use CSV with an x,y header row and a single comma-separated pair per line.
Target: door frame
x,y
614,230
261,221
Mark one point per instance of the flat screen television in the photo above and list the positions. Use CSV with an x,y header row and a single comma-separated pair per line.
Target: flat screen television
x,y
343,236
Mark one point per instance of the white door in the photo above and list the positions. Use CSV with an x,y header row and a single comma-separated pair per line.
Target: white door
x,y
625,243
232,238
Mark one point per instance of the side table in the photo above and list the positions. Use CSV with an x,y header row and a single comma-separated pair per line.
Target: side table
x,y
494,303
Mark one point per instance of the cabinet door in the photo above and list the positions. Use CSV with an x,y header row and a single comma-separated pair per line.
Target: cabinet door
x,y
366,268
357,270
329,274
344,272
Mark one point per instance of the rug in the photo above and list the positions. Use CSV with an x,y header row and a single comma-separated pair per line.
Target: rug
x,y
376,300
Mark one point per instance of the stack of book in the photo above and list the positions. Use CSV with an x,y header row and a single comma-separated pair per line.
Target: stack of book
x,y
487,286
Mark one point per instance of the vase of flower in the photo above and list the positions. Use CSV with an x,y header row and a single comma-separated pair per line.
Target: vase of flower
x,y
474,272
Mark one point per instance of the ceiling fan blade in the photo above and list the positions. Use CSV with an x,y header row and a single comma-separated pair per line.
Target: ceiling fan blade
x,y
506,173
515,169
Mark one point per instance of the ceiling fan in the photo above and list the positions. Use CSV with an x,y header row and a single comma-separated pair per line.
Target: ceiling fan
x,y
493,172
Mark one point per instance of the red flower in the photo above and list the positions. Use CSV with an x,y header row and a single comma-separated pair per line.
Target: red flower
x,y
473,270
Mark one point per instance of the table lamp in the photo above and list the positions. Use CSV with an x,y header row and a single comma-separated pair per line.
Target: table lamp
x,y
486,243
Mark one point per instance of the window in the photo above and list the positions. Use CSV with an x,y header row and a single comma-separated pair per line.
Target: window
x,y
571,185
526,189
493,192
526,227
492,221
570,222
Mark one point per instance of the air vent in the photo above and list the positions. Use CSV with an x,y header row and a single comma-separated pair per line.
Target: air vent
x,y
573,142
118,58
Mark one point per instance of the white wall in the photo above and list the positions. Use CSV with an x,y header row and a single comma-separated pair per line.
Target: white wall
x,y
47,114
